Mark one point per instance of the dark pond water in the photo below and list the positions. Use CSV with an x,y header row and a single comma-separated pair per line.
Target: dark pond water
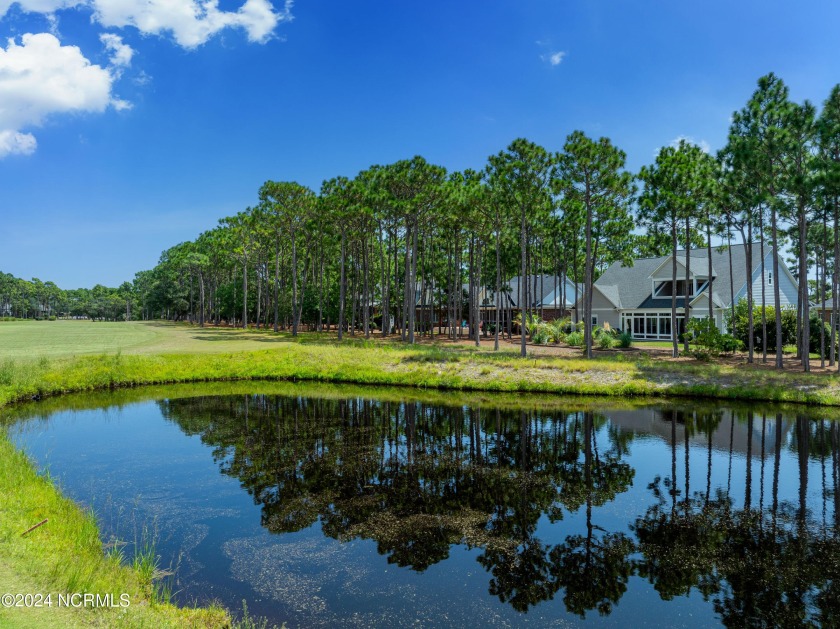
x,y
334,506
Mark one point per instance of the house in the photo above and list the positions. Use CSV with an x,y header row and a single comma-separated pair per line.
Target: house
x,y
638,298
552,295
827,314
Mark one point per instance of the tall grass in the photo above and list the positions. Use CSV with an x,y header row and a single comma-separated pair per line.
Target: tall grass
x,y
425,366
66,555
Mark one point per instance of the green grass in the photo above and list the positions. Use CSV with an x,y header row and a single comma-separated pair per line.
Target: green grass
x,y
26,339
66,555
165,353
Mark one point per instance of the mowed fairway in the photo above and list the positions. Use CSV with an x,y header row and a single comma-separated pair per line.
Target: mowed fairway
x,y
53,339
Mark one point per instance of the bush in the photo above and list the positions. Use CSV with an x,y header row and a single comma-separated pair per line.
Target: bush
x,y
709,341
815,336
625,339
575,339
557,330
742,325
540,335
788,327
606,341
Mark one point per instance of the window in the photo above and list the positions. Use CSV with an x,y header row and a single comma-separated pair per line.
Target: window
x,y
638,326
652,325
770,277
663,289
594,321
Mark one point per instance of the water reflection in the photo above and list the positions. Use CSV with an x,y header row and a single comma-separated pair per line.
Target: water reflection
x,y
742,507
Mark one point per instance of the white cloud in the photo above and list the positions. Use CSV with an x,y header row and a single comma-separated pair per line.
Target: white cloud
x,y
38,6
190,22
704,146
550,55
556,57
121,53
15,143
142,78
38,78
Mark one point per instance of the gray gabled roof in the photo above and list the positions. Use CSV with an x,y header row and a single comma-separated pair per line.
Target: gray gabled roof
x,y
542,291
629,287
682,261
555,297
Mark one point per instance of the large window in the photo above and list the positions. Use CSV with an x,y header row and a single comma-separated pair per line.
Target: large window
x,y
664,289
650,325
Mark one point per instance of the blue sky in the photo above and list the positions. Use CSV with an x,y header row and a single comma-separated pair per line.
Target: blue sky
x,y
142,123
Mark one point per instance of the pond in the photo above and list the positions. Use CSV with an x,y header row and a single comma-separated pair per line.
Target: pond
x,y
326,505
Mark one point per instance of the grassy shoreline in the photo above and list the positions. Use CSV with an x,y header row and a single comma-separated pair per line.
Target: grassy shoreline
x,y
66,555
430,367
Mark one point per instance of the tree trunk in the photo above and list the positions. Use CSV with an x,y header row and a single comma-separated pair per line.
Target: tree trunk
x,y
777,296
587,291
709,284
201,298
803,283
688,284
412,313
384,274
365,296
835,284
277,285
821,287
498,289
477,295
763,284
407,279
342,290
674,330
294,285
245,294
731,282
523,284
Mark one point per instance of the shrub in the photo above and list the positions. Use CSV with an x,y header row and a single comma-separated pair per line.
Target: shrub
x,y
709,341
788,327
575,339
742,325
625,339
540,335
557,330
815,336
532,322
606,341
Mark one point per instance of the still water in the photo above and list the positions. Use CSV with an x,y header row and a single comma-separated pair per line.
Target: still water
x,y
339,506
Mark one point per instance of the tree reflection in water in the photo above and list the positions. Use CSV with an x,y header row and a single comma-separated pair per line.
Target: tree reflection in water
x,y
417,479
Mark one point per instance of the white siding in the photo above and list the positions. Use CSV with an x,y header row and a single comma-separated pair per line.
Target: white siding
x,y
788,290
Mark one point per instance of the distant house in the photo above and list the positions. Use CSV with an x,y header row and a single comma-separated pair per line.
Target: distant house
x,y
638,298
552,295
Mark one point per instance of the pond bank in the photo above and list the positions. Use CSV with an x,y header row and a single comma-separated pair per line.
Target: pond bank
x,y
420,366
65,556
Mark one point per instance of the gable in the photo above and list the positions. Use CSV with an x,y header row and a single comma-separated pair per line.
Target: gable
x,y
761,282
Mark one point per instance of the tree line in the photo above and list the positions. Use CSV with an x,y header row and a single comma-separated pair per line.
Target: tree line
x,y
402,246
34,299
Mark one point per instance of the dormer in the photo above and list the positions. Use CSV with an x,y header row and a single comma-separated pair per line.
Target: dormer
x,y
662,285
